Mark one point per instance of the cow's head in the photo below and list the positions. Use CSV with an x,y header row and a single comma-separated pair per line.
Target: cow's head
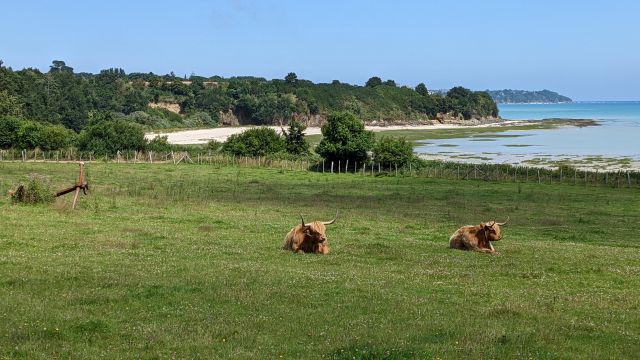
x,y
316,231
492,230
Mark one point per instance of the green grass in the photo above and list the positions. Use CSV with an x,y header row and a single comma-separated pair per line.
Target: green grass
x,y
184,261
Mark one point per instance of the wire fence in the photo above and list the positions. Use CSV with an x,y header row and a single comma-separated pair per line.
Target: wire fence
x,y
429,169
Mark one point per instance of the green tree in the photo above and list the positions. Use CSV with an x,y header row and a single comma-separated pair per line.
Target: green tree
x,y
59,66
134,100
422,89
295,141
259,141
388,150
9,126
10,105
373,82
344,138
390,83
291,78
107,137
55,137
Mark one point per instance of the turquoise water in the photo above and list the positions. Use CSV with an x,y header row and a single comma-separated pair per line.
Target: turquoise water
x,y
623,111
617,137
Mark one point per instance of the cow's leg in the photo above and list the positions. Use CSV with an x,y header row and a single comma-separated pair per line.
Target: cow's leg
x,y
324,249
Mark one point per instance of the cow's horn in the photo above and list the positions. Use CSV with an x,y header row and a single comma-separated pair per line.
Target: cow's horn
x,y
503,223
332,221
303,224
491,223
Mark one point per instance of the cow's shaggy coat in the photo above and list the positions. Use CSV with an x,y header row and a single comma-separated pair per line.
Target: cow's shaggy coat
x,y
308,238
477,238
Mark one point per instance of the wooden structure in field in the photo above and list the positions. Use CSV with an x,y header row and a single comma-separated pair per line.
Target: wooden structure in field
x,y
81,184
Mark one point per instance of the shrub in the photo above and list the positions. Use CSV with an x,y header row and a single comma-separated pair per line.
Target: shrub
x,y
388,150
160,144
107,137
345,138
54,137
258,141
9,126
200,119
214,145
295,141
36,191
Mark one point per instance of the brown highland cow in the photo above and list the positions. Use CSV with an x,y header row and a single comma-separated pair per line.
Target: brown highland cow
x,y
477,238
308,238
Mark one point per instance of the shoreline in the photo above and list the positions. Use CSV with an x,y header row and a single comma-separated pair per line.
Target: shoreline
x,y
202,136
580,162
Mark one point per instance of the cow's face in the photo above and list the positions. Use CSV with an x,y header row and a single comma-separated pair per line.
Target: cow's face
x,y
316,232
492,231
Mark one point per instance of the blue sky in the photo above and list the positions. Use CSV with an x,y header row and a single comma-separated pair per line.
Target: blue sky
x,y
587,50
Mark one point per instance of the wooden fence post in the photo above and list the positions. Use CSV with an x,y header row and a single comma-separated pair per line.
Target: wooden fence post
x,y
538,175
332,167
346,167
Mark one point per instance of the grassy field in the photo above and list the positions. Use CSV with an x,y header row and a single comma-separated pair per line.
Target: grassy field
x,y
164,261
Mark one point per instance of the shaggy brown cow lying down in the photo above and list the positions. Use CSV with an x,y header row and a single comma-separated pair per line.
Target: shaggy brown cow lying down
x,y
477,238
308,238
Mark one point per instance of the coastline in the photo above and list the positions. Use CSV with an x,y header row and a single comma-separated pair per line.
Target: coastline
x,y
424,133
202,136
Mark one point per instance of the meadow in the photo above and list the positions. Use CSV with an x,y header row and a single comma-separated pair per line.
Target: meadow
x,y
185,261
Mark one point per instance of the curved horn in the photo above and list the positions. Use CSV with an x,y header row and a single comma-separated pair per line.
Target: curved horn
x,y
303,224
503,223
490,223
332,221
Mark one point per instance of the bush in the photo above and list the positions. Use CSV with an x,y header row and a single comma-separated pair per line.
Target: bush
x,y
345,138
9,126
160,144
36,191
107,137
295,141
54,137
254,142
388,150
200,119
214,145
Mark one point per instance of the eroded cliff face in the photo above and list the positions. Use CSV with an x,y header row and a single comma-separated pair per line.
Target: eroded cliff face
x,y
229,119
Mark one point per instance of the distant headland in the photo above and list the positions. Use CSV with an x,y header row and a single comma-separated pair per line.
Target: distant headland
x,y
508,96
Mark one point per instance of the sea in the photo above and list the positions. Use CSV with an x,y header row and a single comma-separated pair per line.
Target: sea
x,y
612,145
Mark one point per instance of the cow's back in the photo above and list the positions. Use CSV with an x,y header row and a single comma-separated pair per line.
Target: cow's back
x,y
457,240
290,239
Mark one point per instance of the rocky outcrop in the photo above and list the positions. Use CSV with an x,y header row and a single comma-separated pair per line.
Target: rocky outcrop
x,y
229,119
173,107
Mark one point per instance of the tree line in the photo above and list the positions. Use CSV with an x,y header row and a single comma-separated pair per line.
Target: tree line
x,y
61,108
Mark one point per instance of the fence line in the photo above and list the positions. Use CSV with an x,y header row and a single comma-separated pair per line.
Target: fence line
x,y
432,169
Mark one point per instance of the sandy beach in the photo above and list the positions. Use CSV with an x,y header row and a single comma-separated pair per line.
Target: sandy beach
x,y
202,136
